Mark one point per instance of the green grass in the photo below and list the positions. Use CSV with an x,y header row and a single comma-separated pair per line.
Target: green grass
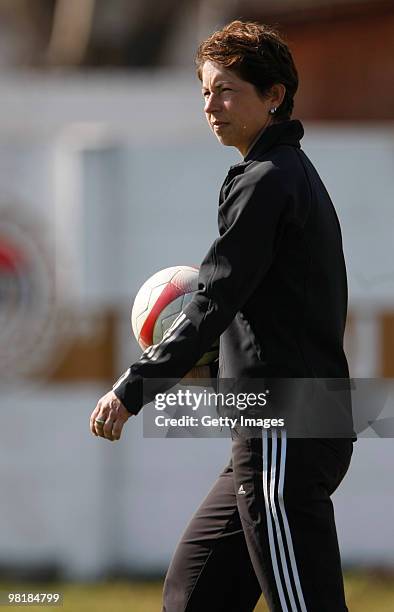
x,y
365,592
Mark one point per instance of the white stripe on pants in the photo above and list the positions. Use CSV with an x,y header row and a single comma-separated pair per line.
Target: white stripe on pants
x,y
274,527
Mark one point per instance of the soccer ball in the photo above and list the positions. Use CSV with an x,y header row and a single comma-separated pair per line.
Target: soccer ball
x,y
160,301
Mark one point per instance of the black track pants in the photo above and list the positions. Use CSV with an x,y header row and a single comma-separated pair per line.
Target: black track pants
x,y
267,525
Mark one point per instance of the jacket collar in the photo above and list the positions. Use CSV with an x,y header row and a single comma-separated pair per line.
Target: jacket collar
x,y
284,133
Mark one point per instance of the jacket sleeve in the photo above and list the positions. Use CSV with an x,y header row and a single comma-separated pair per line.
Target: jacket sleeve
x,y
229,274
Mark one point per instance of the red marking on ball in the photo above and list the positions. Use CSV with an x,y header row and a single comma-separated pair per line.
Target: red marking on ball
x,y
169,293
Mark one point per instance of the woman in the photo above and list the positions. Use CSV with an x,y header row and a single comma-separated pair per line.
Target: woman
x,y
273,287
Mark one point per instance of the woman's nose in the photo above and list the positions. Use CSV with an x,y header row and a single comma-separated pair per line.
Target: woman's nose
x,y
211,103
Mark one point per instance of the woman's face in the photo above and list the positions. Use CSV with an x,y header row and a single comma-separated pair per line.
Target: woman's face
x,y
235,111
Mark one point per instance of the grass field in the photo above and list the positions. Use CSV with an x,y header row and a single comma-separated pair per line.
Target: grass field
x,y
366,592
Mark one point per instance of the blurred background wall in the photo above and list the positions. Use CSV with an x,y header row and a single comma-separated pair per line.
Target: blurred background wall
x,y
109,173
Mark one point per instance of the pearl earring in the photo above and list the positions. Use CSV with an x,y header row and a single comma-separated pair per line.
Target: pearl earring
x,y
273,110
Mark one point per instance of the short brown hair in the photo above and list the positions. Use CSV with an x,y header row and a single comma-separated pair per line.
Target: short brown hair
x,y
258,54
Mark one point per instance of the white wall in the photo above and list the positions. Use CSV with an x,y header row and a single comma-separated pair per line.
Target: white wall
x,y
87,504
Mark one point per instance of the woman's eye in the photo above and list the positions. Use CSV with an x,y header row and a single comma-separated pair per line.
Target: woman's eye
x,y
207,93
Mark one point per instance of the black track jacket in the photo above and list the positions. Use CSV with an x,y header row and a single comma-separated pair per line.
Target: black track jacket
x,y
272,285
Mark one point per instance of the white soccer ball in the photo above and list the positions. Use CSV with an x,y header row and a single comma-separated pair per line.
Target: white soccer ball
x,y
160,301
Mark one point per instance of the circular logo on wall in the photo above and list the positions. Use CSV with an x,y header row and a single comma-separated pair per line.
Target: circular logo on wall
x,y
28,309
